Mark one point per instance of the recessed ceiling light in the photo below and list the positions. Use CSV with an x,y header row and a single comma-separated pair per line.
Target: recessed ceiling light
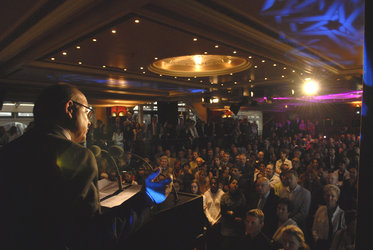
x,y
141,67
124,69
250,57
274,65
155,58
160,75
265,78
205,52
175,77
94,40
263,61
200,81
284,67
293,71
64,53
137,20
52,58
282,76
231,74
195,39
104,66
188,79
113,31
255,66
216,46
143,72
235,82
234,52
77,47
79,62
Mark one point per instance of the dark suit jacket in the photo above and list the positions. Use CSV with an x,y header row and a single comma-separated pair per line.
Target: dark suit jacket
x,y
49,190
50,198
269,210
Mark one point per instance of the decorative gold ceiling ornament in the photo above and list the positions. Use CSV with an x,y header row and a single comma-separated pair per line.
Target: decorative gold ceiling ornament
x,y
199,65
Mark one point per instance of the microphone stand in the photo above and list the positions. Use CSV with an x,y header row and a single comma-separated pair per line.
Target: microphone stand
x,y
112,161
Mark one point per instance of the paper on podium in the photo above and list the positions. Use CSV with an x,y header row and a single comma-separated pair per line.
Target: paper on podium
x,y
117,199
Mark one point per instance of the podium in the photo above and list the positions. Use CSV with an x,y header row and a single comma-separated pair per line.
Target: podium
x,y
174,225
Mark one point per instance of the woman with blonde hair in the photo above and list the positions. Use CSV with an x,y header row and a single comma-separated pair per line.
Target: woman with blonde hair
x,y
292,238
328,219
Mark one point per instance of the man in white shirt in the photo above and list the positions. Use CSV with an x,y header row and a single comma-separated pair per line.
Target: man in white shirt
x,y
211,207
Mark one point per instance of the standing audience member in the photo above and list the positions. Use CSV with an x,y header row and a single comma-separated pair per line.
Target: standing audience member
x,y
281,161
254,238
211,206
233,206
283,220
292,238
266,200
272,176
328,219
299,197
344,239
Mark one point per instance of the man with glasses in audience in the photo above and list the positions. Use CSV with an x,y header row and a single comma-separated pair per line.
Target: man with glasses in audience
x,y
49,181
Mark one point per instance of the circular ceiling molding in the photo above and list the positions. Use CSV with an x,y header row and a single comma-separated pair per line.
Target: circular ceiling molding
x,y
199,65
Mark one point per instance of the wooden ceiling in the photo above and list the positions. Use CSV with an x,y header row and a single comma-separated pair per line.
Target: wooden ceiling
x,y
105,47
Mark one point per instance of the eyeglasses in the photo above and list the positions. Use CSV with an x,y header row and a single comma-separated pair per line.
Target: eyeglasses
x,y
89,110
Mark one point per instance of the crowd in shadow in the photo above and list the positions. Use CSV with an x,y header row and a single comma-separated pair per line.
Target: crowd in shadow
x,y
293,186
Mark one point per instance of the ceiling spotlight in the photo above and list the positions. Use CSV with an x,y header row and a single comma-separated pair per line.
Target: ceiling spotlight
x,y
155,58
310,87
263,61
195,39
250,57
141,67
234,52
205,52
77,47
79,62
137,21
64,53
94,40
52,58
274,65
124,69
113,31
216,46
104,66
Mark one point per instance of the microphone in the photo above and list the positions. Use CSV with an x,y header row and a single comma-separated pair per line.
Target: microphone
x,y
111,160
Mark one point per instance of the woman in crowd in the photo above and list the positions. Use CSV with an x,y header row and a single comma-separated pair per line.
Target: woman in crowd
x,y
328,219
292,238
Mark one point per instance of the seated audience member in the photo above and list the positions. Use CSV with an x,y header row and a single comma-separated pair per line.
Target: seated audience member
x,y
283,220
211,207
299,197
233,206
292,238
265,200
254,238
344,239
273,177
328,219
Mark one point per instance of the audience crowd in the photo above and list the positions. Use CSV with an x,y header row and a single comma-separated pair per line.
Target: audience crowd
x,y
293,187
